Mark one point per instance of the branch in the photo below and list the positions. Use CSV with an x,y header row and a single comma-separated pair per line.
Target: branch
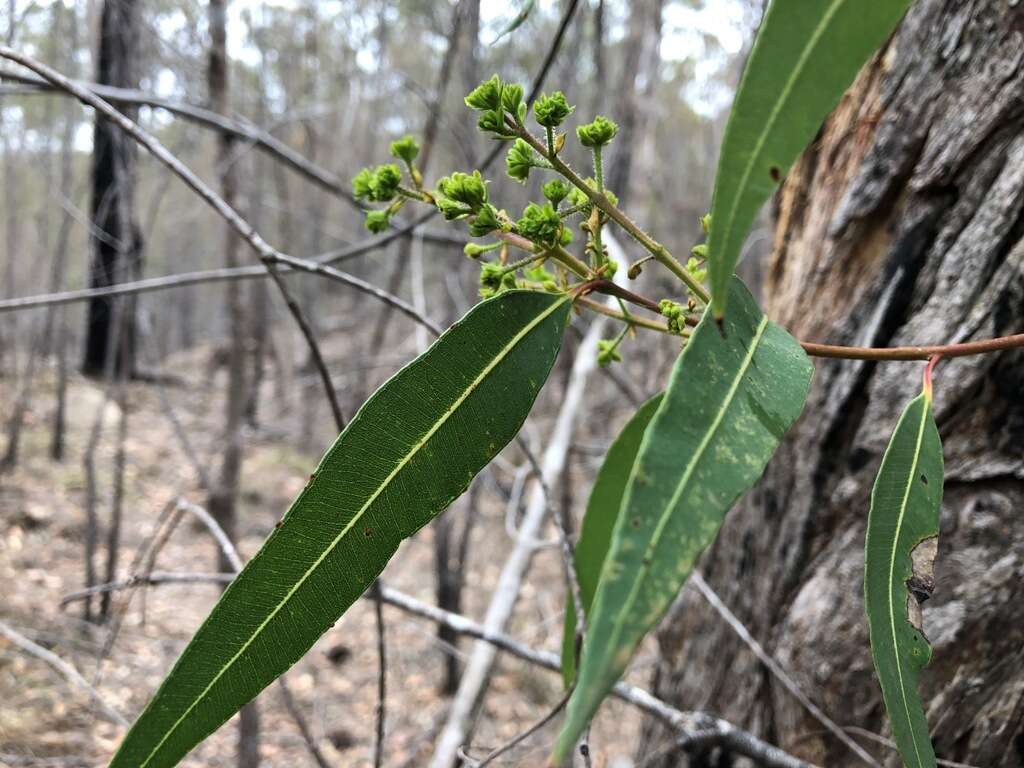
x,y
68,671
203,117
680,721
776,669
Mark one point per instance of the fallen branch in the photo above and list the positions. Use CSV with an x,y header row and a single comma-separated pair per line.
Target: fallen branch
x,y
67,670
687,723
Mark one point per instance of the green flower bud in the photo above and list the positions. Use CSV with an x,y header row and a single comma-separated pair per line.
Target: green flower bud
x,y
538,275
610,268
608,352
492,121
566,237
362,184
551,110
384,185
519,160
578,198
377,221
556,191
705,223
467,188
494,279
405,149
697,272
450,209
675,313
475,250
486,96
512,98
700,251
485,221
540,223
598,133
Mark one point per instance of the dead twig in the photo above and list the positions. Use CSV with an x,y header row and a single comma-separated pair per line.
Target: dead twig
x,y
64,668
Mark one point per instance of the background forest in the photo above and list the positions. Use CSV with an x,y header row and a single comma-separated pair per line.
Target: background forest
x,y
151,437
91,462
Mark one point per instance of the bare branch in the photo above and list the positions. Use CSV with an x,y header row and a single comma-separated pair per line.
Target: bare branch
x,y
776,669
687,723
68,671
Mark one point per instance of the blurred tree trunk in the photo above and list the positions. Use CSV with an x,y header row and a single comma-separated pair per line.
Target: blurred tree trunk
x,y
636,83
223,498
117,243
903,223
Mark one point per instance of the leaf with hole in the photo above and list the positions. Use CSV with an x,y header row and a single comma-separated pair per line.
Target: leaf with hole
x,y
599,521
413,447
902,539
733,394
806,54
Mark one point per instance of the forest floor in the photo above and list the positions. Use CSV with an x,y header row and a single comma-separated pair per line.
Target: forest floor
x,y
45,721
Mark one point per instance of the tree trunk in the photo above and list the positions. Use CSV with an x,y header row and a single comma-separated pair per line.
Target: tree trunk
x,y
117,242
223,498
902,224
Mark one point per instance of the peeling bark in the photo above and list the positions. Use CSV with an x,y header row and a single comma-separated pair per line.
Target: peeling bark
x,y
903,223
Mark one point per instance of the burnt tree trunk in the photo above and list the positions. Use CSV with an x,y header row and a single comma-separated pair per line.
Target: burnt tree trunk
x,y
902,224
117,242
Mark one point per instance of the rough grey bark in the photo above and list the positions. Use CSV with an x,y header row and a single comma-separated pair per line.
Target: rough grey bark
x,y
903,223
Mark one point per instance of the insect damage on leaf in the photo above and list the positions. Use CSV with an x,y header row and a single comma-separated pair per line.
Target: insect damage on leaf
x,y
921,584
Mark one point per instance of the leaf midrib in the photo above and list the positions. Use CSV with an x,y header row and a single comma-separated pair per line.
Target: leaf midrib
x,y
892,574
776,111
504,352
683,482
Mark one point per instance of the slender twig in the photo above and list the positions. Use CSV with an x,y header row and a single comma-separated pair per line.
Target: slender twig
x,y
740,741
63,667
965,349
532,729
776,669
225,125
215,276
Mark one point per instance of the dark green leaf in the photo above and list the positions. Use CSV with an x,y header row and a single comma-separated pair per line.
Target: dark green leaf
x,y
903,530
599,520
732,396
413,447
806,55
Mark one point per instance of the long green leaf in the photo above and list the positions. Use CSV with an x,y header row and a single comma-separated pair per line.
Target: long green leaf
x,y
902,538
599,521
806,55
730,400
413,447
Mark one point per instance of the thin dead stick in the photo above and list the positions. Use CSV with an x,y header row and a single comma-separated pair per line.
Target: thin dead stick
x,y
892,745
203,117
520,738
737,626
63,667
687,723
215,276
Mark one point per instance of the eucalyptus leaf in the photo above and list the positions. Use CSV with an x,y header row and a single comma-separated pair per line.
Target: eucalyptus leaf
x,y
413,447
806,54
902,539
733,394
599,521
